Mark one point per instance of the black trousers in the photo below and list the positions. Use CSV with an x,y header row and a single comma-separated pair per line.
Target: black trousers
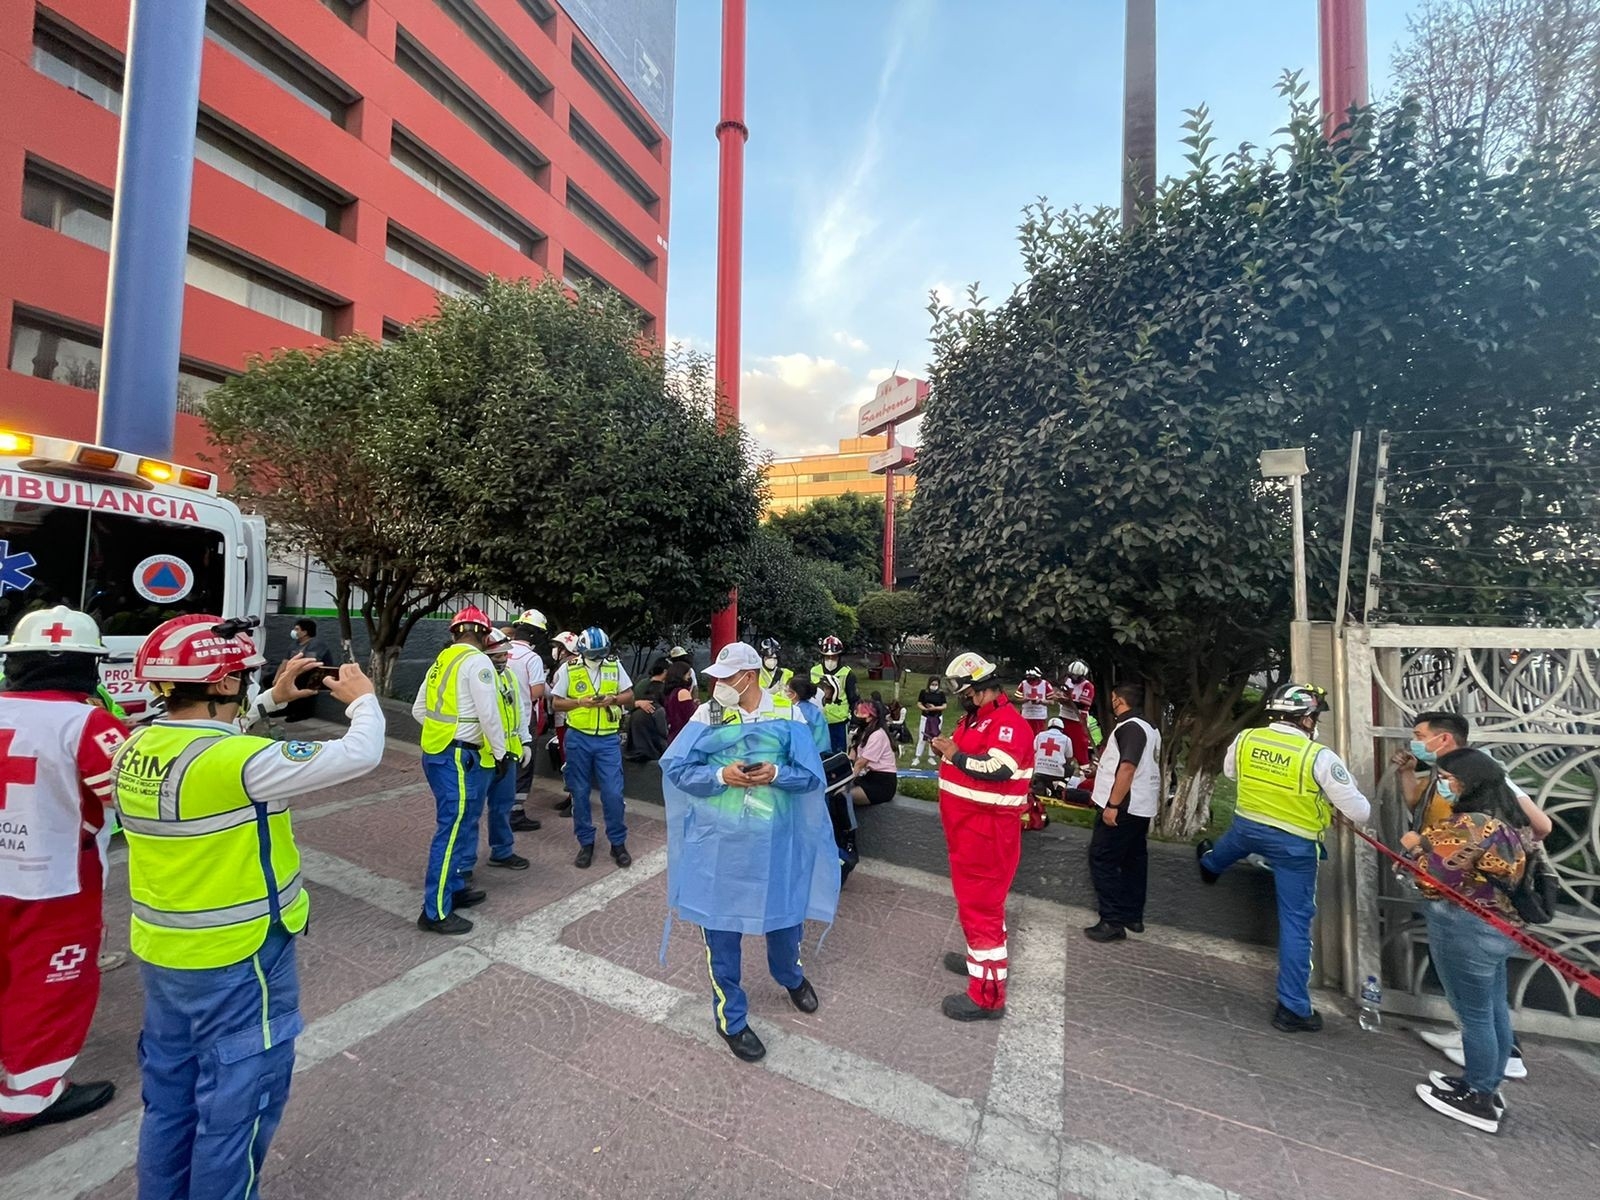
x,y
1119,863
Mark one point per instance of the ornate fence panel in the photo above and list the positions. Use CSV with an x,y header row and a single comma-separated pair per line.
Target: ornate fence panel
x,y
1533,699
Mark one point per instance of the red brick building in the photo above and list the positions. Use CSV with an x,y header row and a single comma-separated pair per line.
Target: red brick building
x,y
353,158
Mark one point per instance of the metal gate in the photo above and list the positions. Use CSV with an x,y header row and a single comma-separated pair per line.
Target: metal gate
x,y
1532,697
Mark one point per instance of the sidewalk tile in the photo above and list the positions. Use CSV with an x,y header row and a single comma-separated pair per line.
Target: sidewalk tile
x,y
896,1164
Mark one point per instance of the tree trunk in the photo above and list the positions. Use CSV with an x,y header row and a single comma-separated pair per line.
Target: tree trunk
x,y
1190,808
341,601
380,665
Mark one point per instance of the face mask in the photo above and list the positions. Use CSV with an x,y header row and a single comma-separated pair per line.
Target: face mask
x,y
830,663
770,664
1420,752
593,660
726,694
1446,792
968,703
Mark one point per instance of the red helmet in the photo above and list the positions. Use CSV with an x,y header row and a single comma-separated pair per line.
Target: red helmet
x,y
190,650
471,615
831,647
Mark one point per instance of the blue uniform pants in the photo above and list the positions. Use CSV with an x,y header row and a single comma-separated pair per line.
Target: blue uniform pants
x,y
723,954
502,798
215,1059
838,736
459,786
1293,860
595,758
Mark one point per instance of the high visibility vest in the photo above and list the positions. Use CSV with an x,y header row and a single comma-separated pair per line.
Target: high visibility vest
x,y
839,710
601,720
1276,783
210,870
775,681
782,710
508,686
443,697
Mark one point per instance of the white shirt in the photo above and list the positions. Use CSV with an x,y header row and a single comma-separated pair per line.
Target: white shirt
x,y
524,662
476,696
1033,692
1332,776
1051,749
1144,793
559,686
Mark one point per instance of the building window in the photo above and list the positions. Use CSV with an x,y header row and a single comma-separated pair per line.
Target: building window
x,y
429,266
217,273
345,10
455,191
595,75
239,37
473,113
574,273
596,218
46,350
50,200
72,62
219,146
393,331
193,385
595,147
482,33
541,11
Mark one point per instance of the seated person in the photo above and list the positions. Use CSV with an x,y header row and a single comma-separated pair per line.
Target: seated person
x,y
1051,754
872,758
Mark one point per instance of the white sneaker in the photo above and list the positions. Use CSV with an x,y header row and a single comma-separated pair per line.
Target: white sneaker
x,y
1449,1083
1515,1067
1447,1041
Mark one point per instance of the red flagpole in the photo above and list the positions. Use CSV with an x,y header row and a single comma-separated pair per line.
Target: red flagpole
x,y
1343,29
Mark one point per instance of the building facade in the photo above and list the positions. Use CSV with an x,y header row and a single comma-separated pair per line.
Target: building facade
x,y
797,482
353,159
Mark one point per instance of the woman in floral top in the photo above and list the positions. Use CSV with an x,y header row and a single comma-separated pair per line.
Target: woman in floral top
x,y
1477,850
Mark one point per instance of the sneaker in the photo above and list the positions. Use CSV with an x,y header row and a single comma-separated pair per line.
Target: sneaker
x,y
1202,849
76,1100
1444,1042
523,823
1454,1083
450,923
1105,931
511,862
585,856
1286,1020
110,960
1461,1104
1516,1068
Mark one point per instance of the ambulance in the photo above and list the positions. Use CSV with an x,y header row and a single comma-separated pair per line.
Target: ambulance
x,y
130,540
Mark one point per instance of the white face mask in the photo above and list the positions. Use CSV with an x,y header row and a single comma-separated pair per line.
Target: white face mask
x,y
726,694
593,660
830,663
770,664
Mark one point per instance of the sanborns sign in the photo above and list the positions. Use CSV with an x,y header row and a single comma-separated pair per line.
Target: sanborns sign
x,y
96,496
898,399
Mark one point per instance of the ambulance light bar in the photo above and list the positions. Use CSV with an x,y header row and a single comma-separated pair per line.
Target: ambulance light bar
x,y
45,451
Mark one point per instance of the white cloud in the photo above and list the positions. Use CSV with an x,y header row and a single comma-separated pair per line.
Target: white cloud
x,y
804,404
849,341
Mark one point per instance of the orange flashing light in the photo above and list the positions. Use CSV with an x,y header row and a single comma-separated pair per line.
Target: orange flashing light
x,y
155,470
94,456
15,443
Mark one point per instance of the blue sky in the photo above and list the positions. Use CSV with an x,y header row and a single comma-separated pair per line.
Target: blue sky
x,y
893,144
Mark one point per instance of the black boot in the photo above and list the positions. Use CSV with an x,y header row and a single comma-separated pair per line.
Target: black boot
x,y
76,1100
804,997
746,1046
1286,1020
955,962
449,923
962,1007
1200,851
585,856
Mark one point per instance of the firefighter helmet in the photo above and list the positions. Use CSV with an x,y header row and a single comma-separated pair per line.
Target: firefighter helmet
x,y
195,649
970,670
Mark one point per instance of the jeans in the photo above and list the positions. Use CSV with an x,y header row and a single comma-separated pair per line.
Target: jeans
x,y
215,1060
459,785
1119,863
1294,861
1470,957
724,950
595,758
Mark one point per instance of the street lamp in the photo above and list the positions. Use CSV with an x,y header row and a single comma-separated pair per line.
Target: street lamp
x,y
1291,465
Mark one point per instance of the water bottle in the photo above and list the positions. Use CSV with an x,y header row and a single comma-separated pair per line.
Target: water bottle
x,y
1371,1016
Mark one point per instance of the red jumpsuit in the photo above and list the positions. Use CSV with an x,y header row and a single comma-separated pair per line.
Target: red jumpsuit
x,y
55,775
1075,707
981,797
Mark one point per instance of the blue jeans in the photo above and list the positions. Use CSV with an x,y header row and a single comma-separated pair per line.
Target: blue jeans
x,y
595,758
724,948
459,785
1469,956
215,1059
1294,861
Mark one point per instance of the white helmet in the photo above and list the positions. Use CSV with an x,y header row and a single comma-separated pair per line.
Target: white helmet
x,y
968,669
532,616
1078,669
58,630
567,640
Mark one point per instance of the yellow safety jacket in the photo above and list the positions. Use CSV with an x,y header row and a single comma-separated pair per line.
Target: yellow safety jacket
x,y
775,681
734,715
209,869
839,710
444,698
605,719
1276,784
508,686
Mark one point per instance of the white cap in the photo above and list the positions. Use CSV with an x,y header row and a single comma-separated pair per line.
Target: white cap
x,y
733,658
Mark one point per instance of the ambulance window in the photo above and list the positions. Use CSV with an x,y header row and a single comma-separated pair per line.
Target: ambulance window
x,y
53,538
187,575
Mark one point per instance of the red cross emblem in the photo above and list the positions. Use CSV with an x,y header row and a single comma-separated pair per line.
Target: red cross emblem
x,y
16,770
1052,745
57,633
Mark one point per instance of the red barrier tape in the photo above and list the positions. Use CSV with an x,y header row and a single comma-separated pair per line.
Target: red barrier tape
x,y
1565,967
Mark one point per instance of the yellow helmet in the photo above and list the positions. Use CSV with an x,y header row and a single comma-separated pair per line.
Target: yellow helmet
x,y
969,669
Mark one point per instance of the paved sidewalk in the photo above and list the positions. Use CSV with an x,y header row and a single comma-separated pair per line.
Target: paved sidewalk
x,y
550,1054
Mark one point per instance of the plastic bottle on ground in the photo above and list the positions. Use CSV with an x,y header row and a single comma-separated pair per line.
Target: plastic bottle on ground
x,y
1371,1016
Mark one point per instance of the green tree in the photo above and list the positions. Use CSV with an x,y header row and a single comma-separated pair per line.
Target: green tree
x,y
780,596
1087,475
888,618
308,438
845,530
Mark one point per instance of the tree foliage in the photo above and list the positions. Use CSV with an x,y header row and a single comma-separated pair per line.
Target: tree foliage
x,y
780,595
886,619
845,530
1087,480
522,442
1516,74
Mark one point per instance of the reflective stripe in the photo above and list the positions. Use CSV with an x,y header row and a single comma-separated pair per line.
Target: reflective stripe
x,y
173,780
27,1105
446,870
995,799
436,709
44,1074
722,1000
1002,757
216,918
981,972
266,1025
198,826
998,954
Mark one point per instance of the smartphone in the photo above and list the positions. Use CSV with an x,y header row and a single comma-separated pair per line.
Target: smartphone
x,y
313,676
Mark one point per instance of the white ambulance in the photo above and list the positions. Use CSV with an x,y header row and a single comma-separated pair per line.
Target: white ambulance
x,y
128,539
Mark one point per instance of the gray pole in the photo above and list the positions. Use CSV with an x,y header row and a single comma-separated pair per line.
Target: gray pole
x,y
1138,110
150,226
